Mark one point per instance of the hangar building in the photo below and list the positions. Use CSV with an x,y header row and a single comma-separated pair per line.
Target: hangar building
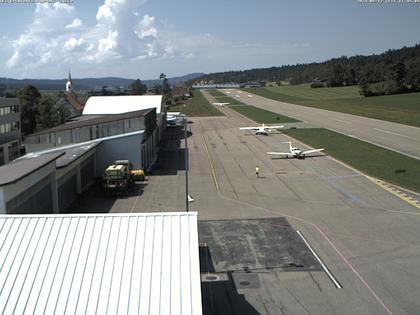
x,y
144,263
64,161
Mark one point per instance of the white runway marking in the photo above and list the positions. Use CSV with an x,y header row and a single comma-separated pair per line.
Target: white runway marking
x,y
238,96
240,92
342,121
394,133
327,271
227,92
249,95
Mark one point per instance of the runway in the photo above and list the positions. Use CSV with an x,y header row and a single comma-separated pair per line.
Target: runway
x,y
401,138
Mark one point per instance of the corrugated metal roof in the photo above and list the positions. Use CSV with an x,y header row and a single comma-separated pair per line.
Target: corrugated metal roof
x,y
100,264
96,105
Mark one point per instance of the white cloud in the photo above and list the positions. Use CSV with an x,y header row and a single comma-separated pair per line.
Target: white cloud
x,y
146,28
188,55
74,44
121,40
77,23
57,35
104,14
43,39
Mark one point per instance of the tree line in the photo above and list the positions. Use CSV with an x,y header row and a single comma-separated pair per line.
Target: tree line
x,y
394,71
137,87
41,111
6,91
38,112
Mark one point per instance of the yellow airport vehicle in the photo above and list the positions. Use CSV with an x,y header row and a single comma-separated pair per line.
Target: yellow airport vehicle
x,y
117,178
138,175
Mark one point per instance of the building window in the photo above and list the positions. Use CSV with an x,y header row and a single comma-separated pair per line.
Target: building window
x,y
13,151
15,125
10,126
7,110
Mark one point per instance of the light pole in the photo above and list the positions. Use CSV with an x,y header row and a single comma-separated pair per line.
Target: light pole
x,y
186,164
184,120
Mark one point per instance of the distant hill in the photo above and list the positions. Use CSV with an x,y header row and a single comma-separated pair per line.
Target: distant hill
x,y
401,65
174,80
87,84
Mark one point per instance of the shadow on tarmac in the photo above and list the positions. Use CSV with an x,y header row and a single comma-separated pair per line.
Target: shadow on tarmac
x,y
291,158
233,254
221,296
170,157
97,201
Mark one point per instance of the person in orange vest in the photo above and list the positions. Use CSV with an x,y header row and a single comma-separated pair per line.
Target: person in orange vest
x,y
257,171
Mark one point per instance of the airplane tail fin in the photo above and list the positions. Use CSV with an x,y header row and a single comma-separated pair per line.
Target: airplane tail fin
x,y
290,145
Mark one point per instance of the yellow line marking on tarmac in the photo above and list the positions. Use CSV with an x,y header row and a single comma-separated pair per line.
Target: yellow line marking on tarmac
x,y
396,192
211,163
384,185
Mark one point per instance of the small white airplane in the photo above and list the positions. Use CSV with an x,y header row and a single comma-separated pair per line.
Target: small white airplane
x,y
220,104
295,152
262,130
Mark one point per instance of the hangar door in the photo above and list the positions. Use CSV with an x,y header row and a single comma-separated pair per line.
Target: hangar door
x,y
37,199
67,190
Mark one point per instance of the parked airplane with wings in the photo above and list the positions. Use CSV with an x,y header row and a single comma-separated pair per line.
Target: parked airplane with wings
x,y
295,152
262,130
220,104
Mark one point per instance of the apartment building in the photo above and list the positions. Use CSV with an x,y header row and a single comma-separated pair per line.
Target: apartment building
x,y
9,129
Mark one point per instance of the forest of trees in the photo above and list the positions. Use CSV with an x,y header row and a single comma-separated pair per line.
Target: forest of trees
x,y
394,71
38,112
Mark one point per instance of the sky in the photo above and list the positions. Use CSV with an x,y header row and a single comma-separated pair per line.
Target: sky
x,y
143,38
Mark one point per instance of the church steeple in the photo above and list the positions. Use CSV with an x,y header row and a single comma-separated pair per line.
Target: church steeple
x,y
69,83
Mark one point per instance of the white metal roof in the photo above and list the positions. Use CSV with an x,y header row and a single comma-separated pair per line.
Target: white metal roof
x,y
100,264
104,105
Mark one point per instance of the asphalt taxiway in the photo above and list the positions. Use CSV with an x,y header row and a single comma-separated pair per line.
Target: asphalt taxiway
x,y
367,237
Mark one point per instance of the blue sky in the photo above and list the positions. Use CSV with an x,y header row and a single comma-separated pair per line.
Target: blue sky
x,y
132,38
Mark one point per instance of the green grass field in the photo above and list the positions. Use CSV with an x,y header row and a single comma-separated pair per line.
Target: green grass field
x,y
370,159
222,98
402,108
197,106
261,115
256,114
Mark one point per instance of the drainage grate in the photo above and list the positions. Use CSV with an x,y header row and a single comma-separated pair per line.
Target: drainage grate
x,y
246,280
212,278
